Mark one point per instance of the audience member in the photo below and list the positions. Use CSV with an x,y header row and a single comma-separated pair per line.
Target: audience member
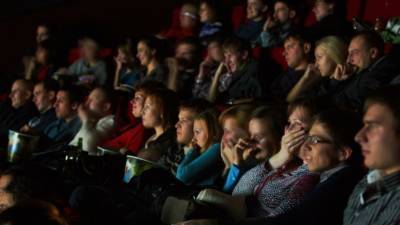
x,y
210,16
256,13
150,55
98,122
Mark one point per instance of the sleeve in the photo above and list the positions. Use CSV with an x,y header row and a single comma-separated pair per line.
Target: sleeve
x,y
194,165
250,179
233,177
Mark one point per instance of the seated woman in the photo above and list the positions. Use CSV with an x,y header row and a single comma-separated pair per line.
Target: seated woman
x,y
160,113
329,150
265,131
133,139
208,68
322,78
209,13
149,53
202,165
235,122
44,64
127,75
274,186
89,68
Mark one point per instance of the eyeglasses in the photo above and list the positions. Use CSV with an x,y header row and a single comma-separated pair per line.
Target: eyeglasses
x,y
312,139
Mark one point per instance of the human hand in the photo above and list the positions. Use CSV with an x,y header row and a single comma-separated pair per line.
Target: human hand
x,y
343,72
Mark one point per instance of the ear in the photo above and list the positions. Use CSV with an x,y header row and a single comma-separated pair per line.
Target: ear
x,y
107,107
292,14
265,8
52,95
75,106
344,153
245,55
374,53
307,47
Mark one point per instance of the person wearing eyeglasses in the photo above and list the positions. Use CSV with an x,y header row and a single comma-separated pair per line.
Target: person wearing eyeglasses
x,y
330,151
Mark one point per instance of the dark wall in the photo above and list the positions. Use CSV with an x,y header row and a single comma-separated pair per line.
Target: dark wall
x,y
110,20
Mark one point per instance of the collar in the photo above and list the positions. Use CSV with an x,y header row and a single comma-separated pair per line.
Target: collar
x,y
326,174
388,182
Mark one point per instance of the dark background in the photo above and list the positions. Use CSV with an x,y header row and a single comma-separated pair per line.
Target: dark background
x,y
111,20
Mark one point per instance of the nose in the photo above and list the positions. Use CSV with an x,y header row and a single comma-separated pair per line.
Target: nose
x,y
177,125
360,137
349,60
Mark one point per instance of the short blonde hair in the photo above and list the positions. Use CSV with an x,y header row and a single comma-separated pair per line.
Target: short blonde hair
x,y
334,47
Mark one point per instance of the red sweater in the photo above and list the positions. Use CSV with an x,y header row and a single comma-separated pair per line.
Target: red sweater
x,y
132,139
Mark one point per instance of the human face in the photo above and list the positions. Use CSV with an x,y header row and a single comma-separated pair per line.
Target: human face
x,y
322,9
96,103
281,12
144,54
138,103
255,9
215,52
379,139
184,127
320,152
188,17
123,57
151,113
206,13
324,63
42,33
261,135
6,198
200,134
19,95
359,55
42,98
63,106
232,132
233,60
294,53
299,118
185,53
89,49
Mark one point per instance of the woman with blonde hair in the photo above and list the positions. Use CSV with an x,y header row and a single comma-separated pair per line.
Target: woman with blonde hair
x,y
330,57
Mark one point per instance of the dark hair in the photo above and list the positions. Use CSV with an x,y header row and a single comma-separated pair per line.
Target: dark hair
x,y
32,212
156,44
109,94
312,105
372,39
196,105
342,126
275,120
190,41
75,93
389,97
289,3
149,85
236,44
49,85
210,117
167,100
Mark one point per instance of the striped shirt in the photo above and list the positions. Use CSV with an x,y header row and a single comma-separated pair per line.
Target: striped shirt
x,y
375,202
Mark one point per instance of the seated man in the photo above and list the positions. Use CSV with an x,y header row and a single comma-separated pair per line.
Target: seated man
x,y
241,78
44,96
297,51
255,13
369,69
98,123
278,27
182,68
15,114
68,123
375,200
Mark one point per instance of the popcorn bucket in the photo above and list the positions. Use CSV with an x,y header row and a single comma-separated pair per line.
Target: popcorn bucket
x,y
135,166
20,146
